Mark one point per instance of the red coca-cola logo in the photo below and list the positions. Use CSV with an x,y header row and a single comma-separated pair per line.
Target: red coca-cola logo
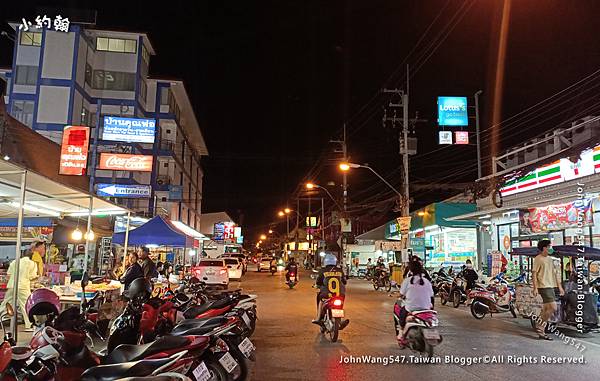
x,y
126,162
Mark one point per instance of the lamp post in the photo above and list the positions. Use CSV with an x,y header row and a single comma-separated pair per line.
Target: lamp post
x,y
346,167
286,212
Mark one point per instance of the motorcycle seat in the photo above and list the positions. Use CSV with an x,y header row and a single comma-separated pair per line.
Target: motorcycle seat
x,y
198,326
194,311
417,312
127,369
129,352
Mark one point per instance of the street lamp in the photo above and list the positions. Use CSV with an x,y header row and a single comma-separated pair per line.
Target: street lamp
x,y
263,237
346,167
270,231
313,186
281,213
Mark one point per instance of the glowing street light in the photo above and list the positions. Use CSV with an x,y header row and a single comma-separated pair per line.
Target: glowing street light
x,y
287,210
310,186
421,214
263,237
270,231
281,213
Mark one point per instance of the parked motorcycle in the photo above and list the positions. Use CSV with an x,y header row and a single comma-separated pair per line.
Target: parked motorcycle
x,y
420,332
496,299
453,292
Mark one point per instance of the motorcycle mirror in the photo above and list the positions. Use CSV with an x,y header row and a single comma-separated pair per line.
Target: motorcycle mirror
x,y
10,311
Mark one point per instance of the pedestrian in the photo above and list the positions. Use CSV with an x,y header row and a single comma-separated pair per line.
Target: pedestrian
x,y
133,271
545,279
38,252
148,266
470,274
27,273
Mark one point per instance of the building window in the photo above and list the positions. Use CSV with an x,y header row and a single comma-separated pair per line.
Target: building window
x,y
113,80
23,112
118,45
164,95
166,165
31,38
168,131
26,75
143,90
145,55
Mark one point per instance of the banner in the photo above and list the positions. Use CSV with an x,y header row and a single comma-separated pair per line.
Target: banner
x,y
128,129
556,217
74,150
125,162
9,233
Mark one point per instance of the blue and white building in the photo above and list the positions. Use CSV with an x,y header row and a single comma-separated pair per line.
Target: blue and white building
x,y
78,78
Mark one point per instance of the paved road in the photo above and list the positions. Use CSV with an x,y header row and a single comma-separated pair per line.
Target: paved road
x,y
289,347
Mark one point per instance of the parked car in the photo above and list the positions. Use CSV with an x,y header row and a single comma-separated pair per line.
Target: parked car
x,y
234,268
264,264
242,258
212,271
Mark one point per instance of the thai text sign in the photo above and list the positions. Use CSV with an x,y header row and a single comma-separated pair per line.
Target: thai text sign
x,y
74,150
556,217
129,129
125,162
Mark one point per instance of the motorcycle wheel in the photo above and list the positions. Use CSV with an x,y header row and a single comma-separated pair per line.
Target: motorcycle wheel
x,y
512,311
443,300
456,299
291,285
217,373
241,359
476,314
333,334
388,285
376,285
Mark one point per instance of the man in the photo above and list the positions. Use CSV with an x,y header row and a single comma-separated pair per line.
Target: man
x,y
148,266
134,270
470,275
331,282
291,267
38,251
27,273
545,280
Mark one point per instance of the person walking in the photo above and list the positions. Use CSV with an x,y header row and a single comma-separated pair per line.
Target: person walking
x,y
148,265
545,279
27,273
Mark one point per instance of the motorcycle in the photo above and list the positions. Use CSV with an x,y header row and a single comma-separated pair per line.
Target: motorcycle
x,y
273,269
453,292
494,299
420,332
332,312
292,279
382,281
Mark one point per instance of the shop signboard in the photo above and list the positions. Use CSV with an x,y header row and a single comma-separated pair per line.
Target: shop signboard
x,y
461,137
74,150
311,221
132,130
125,162
417,244
452,111
346,225
237,231
219,231
29,233
240,240
123,190
556,217
554,173
445,137
175,192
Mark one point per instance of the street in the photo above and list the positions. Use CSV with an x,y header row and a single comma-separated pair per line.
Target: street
x,y
289,347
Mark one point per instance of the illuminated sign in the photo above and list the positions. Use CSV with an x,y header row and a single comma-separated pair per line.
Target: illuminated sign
x,y
311,222
123,190
125,162
129,129
452,111
224,231
445,137
461,137
74,150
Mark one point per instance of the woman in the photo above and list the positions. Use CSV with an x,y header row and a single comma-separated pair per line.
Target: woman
x,y
133,271
416,291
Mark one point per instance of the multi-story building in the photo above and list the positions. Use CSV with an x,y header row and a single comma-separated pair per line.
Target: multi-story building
x,y
81,76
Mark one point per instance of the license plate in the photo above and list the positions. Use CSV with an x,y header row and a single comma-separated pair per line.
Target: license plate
x,y
210,272
201,372
228,362
246,319
292,279
337,313
246,347
431,334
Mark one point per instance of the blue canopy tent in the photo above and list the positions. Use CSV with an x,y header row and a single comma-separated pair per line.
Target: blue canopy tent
x,y
157,231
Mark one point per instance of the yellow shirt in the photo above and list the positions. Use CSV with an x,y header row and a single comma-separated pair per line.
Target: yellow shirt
x,y
37,258
544,272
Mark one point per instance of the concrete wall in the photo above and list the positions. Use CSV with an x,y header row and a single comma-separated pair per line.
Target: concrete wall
x,y
58,55
53,106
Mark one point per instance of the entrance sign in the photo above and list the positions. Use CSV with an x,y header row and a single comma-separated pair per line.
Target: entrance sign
x,y
123,190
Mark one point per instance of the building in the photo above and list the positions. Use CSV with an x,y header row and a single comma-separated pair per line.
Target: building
x,y
84,75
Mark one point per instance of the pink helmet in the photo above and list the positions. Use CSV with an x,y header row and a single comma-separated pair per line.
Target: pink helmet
x,y
43,301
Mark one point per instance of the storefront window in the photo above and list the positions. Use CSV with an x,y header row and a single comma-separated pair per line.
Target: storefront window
x,y
451,246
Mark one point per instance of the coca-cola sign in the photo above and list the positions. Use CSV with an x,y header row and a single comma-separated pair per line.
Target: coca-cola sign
x,y
125,162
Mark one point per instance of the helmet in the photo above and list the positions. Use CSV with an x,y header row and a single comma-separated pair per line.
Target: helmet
x,y
140,287
330,260
42,302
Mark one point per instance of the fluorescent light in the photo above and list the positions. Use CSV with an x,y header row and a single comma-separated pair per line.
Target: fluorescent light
x,y
188,230
97,212
432,227
486,216
486,222
151,246
33,208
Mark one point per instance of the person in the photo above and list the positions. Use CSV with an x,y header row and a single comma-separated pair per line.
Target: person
x,y
331,282
27,273
273,265
416,290
133,271
470,274
407,272
148,266
38,251
545,280
291,267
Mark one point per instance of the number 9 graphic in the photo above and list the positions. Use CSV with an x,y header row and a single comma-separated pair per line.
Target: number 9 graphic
x,y
334,286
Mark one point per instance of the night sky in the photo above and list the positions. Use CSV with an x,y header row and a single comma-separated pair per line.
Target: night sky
x,y
273,81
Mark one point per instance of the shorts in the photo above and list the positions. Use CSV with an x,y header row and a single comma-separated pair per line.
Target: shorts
x,y
547,295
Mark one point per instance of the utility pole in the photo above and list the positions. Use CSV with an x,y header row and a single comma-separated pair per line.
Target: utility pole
x,y
477,94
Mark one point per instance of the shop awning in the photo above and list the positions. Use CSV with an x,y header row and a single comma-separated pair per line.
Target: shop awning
x,y
158,231
561,251
29,222
442,214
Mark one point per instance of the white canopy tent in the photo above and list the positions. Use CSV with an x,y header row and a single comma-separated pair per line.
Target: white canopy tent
x,y
24,193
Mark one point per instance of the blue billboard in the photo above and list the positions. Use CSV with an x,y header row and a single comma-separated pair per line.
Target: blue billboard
x,y
131,130
123,190
452,111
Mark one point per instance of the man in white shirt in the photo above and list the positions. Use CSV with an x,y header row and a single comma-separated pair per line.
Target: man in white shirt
x,y
27,273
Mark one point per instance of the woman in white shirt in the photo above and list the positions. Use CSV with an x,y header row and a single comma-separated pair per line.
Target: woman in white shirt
x,y
416,290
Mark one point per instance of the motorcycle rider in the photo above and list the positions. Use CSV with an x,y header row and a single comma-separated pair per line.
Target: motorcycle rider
x,y
470,274
416,290
292,267
326,278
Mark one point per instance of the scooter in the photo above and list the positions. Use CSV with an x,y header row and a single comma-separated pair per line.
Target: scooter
x,y
420,332
293,279
495,299
454,292
332,312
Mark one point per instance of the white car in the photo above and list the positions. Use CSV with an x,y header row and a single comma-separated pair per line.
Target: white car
x,y
234,267
264,264
212,271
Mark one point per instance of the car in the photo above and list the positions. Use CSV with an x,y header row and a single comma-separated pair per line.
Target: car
x,y
234,268
242,259
212,272
264,264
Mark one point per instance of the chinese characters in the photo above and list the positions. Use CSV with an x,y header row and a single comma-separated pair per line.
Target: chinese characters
x,y
60,24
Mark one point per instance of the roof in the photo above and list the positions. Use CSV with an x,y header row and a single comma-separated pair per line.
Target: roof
x,y
158,231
